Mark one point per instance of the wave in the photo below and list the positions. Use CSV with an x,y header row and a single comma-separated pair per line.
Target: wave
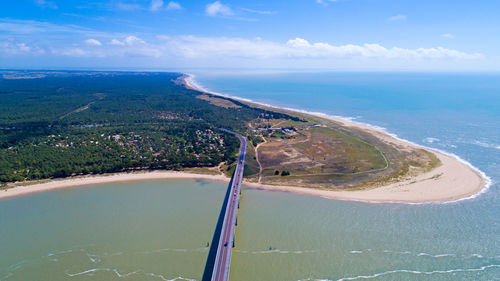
x,y
416,272
120,275
276,251
173,250
420,254
488,181
486,145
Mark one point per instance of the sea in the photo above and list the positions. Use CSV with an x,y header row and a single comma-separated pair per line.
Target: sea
x,y
159,230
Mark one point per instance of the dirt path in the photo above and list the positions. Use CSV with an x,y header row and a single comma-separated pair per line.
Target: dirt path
x,y
257,158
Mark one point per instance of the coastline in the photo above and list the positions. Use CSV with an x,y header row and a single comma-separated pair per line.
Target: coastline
x,y
450,182
102,179
454,180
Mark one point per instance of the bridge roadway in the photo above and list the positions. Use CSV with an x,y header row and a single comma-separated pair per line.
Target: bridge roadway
x,y
226,242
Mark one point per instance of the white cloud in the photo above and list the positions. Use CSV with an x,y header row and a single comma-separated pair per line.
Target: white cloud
x,y
11,47
93,42
72,52
448,36
46,4
324,2
117,42
217,8
17,27
196,47
129,7
156,5
260,12
256,52
173,6
132,40
129,41
398,17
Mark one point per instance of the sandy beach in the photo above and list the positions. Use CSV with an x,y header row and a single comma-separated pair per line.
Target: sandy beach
x,y
100,179
452,180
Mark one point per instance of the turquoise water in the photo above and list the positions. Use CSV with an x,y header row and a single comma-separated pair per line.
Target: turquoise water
x,y
158,230
457,113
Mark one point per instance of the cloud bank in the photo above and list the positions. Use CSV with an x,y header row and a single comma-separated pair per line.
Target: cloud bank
x,y
193,47
84,46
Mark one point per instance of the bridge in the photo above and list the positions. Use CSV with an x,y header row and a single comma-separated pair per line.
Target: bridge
x,y
219,257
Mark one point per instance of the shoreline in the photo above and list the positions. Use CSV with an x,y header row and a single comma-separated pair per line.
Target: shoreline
x,y
415,190
462,180
454,180
53,184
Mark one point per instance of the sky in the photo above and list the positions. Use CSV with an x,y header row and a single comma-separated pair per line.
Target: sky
x,y
365,35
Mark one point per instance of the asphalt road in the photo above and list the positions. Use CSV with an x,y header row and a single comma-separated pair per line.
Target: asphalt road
x,y
226,241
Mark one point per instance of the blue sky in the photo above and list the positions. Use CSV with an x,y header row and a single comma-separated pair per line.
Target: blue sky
x,y
438,35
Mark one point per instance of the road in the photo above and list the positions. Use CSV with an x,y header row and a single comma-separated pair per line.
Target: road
x,y
226,241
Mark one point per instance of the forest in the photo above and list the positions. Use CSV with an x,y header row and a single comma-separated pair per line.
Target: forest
x,y
58,124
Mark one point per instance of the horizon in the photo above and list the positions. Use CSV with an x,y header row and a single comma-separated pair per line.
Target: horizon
x,y
321,35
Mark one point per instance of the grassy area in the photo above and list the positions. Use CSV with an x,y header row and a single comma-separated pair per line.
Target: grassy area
x,y
251,165
332,156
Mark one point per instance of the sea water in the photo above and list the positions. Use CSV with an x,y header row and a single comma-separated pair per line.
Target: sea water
x,y
322,239
158,230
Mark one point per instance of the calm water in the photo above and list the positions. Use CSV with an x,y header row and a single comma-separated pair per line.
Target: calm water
x,y
158,230
154,230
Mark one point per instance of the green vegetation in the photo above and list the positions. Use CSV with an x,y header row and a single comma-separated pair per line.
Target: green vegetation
x,y
281,135
74,123
61,124
285,173
255,140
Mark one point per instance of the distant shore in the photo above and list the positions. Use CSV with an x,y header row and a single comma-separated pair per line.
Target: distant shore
x,y
452,180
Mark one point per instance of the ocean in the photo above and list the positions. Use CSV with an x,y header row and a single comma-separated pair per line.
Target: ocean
x,y
455,113
158,230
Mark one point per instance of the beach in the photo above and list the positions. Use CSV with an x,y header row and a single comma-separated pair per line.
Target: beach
x,y
101,179
453,180
449,182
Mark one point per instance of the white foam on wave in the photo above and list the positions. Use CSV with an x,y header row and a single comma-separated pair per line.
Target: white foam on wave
x,y
166,279
415,272
276,251
436,256
88,271
486,145
431,140
58,252
128,274
17,265
488,181
410,253
93,258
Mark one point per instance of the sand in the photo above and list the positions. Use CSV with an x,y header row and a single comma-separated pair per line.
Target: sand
x,y
452,180
100,179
